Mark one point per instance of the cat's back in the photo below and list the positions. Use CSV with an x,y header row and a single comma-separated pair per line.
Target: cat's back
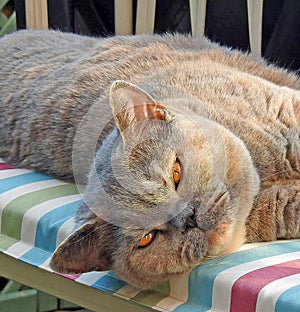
x,y
26,47
35,74
42,69
36,66
50,79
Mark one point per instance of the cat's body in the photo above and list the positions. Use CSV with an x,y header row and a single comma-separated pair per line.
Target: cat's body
x,y
229,122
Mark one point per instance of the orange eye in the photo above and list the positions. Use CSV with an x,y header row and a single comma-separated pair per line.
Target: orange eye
x,y
146,240
176,172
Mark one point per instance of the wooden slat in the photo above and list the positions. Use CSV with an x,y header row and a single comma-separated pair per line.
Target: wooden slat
x,y
123,17
255,16
84,296
198,16
145,15
36,14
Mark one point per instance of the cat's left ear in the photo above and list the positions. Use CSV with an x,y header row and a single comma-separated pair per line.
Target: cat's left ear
x,y
131,104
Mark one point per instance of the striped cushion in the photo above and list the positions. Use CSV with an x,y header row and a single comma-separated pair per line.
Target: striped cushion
x,y
36,214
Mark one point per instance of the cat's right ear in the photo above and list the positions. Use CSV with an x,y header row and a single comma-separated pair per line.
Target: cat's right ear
x,y
130,104
89,248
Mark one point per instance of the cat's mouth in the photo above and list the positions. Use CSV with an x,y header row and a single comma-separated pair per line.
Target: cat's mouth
x,y
203,214
214,223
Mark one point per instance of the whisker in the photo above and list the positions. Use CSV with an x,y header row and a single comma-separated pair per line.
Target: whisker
x,y
84,236
273,174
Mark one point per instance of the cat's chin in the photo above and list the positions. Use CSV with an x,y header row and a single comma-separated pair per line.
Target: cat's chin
x,y
149,280
144,283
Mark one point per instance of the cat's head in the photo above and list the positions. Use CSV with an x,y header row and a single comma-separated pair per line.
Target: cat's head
x,y
167,189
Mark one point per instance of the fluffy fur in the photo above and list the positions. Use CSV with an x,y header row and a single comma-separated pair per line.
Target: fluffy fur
x,y
231,120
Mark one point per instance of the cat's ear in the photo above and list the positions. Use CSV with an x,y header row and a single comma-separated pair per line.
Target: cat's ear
x,y
131,104
88,249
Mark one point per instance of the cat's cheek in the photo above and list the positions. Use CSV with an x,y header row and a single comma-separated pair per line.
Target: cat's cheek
x,y
225,238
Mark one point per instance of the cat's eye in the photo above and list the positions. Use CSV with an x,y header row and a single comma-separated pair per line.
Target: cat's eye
x,y
147,239
176,172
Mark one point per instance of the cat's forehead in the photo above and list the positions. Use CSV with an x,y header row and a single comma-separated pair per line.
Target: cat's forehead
x,y
188,130
163,141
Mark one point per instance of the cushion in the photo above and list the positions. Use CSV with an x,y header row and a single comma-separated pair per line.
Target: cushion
x,y
37,213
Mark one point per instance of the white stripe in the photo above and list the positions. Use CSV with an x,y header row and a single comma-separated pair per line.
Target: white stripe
x,y
168,304
10,195
65,230
255,245
90,278
46,265
225,280
18,249
13,173
127,292
179,286
268,296
32,216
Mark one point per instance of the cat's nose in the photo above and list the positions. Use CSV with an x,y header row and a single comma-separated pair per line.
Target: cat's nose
x,y
184,220
191,222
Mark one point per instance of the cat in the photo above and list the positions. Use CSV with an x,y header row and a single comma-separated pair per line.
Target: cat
x,y
183,149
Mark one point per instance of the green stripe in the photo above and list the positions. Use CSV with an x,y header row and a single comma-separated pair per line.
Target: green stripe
x,y
6,242
13,212
152,297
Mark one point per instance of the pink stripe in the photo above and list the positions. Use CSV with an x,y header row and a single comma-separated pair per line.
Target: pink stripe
x,y
4,166
246,289
72,277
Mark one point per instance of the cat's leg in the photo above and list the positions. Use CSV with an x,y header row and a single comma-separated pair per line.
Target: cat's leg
x,y
276,213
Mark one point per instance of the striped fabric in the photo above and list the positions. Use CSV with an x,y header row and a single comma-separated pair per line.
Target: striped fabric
x,y
36,214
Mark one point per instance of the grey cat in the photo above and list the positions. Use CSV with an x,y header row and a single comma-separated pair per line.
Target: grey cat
x,y
187,149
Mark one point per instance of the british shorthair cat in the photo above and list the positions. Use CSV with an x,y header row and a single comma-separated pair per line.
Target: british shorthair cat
x,y
182,149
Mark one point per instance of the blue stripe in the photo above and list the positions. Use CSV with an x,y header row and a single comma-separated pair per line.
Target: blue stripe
x,y
202,277
289,300
50,223
26,178
186,307
109,283
35,256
